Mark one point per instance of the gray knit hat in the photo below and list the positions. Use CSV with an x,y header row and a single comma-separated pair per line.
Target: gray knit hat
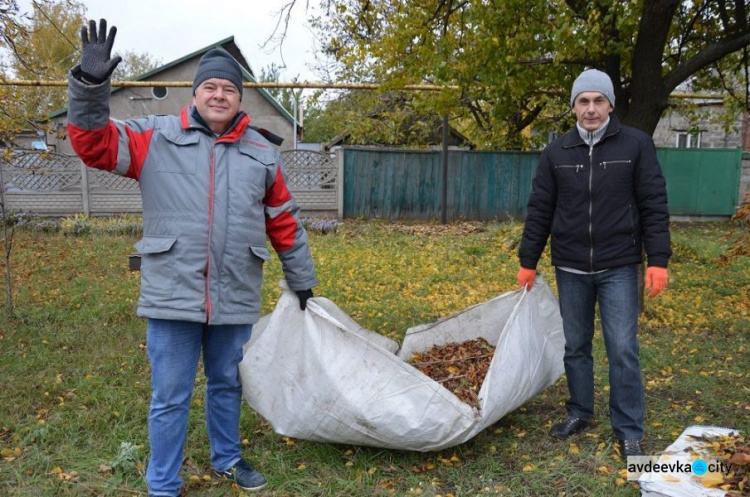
x,y
217,63
593,80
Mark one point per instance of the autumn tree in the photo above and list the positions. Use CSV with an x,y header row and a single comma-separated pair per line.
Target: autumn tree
x,y
134,65
286,97
43,45
12,28
49,49
514,61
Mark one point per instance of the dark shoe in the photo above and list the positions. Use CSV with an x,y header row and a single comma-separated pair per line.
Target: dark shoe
x,y
245,476
630,448
568,427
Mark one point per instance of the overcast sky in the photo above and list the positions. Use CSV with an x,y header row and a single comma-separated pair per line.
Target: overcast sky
x,y
170,29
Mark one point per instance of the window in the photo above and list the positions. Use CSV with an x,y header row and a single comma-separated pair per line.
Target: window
x,y
159,92
688,140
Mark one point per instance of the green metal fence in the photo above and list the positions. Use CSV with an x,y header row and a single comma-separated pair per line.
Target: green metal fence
x,y
701,182
406,184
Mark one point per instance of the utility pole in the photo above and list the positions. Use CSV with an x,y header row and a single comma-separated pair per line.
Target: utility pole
x,y
7,240
444,186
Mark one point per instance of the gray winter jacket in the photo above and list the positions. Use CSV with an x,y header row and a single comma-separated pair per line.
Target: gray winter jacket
x,y
208,205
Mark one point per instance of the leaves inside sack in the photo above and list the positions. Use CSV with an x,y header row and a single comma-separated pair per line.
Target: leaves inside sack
x,y
734,450
459,367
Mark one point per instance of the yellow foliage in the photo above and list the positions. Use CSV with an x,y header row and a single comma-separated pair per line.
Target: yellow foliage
x,y
711,480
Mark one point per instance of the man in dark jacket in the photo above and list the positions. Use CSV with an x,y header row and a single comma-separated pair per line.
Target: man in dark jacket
x,y
600,193
213,190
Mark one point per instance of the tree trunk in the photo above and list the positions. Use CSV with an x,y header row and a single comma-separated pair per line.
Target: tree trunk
x,y
7,242
644,111
648,94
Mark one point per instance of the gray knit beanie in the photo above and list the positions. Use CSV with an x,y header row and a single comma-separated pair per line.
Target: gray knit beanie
x,y
593,80
218,63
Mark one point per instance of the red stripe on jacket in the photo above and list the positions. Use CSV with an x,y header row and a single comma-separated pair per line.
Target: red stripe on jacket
x,y
282,229
139,143
98,148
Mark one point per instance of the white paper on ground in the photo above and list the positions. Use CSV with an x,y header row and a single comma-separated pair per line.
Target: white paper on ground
x,y
683,484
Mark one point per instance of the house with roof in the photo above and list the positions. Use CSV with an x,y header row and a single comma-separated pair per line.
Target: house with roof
x,y
676,129
56,183
130,102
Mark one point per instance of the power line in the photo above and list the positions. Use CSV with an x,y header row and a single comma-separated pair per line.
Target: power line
x,y
246,84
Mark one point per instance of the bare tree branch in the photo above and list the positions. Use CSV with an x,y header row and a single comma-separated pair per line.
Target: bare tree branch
x,y
278,35
704,58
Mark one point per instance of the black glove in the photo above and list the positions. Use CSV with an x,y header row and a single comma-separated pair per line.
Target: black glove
x,y
96,65
303,295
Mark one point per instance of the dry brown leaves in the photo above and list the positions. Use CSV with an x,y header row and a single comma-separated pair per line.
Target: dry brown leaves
x,y
734,450
459,367
460,228
741,244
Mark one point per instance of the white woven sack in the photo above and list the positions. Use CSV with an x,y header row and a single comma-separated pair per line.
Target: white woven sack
x,y
318,375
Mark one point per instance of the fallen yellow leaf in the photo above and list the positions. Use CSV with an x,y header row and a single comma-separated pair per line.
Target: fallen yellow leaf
x,y
711,480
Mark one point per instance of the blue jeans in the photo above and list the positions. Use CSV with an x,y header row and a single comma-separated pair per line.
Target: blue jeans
x,y
616,290
173,350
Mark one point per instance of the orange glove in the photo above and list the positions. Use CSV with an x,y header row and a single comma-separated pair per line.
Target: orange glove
x,y
656,280
526,277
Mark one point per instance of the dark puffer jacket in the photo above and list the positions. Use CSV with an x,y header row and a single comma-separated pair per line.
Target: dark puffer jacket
x,y
603,205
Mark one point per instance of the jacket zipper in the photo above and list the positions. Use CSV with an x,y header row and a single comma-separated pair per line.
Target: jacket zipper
x,y
210,225
591,206
607,162
570,166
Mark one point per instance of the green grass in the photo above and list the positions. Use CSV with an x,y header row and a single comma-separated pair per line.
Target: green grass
x,y
75,374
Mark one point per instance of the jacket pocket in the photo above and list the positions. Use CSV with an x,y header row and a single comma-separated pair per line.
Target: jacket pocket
x,y
609,163
260,252
181,155
575,167
255,165
571,181
634,224
241,280
157,266
254,170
